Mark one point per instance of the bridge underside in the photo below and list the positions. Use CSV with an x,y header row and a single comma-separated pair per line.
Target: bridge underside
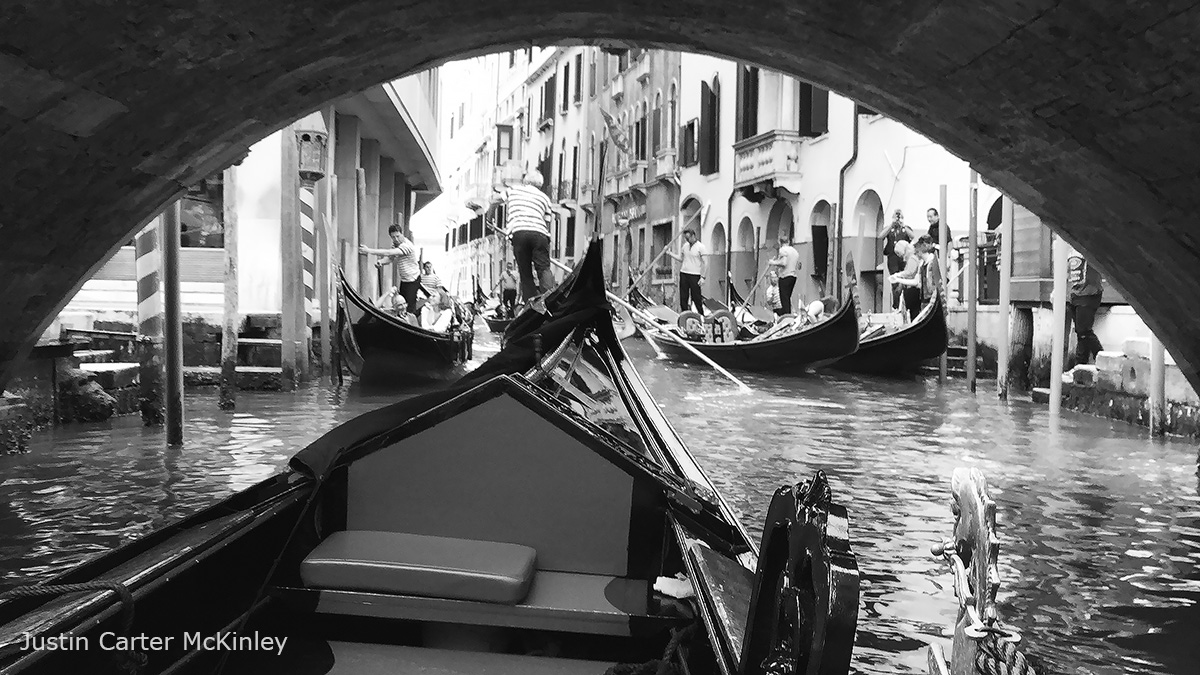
x,y
1085,112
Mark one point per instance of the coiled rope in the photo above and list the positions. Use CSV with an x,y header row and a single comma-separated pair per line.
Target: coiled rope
x,y
130,661
1001,657
663,666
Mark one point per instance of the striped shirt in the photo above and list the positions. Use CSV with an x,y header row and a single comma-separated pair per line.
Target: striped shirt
x,y
432,282
406,262
528,209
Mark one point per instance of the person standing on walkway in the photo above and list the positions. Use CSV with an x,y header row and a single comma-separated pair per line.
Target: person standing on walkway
x,y
691,271
788,262
528,211
1086,290
935,227
895,233
404,254
508,290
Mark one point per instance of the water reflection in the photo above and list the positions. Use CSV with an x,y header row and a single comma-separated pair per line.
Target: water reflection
x,y
1100,525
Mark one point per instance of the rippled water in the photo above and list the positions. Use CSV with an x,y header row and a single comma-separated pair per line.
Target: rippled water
x,y
1100,525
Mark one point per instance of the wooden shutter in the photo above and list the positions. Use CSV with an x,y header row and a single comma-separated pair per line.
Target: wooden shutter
x,y
657,130
706,121
578,76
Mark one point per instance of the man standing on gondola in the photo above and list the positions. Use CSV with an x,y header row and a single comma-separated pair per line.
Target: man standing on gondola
x,y
691,271
508,290
404,254
528,212
788,262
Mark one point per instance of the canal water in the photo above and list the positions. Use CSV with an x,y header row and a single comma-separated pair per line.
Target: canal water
x,y
1100,525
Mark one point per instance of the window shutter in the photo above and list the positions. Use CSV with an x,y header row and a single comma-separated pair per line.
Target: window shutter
x,y
578,76
657,133
706,122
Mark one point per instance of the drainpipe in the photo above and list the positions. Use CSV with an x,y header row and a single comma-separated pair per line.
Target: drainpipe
x,y
729,247
837,275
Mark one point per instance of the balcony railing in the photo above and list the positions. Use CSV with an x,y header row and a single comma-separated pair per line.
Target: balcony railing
x,y
664,164
566,191
641,69
772,156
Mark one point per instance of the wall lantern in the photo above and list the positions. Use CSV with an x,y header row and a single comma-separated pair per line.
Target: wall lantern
x,y
313,142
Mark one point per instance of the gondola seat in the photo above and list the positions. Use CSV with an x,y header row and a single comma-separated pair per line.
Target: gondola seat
x,y
419,565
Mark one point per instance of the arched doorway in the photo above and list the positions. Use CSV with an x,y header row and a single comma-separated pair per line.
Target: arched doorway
x,y
868,229
718,250
742,267
819,221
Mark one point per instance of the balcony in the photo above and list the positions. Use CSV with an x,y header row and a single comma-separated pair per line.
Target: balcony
x,y
772,157
664,166
566,193
641,69
510,171
546,121
617,88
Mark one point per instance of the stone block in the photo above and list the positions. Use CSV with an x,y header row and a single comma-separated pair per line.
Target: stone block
x,y
1135,376
1109,380
1084,375
95,355
1110,361
1138,347
113,375
1178,389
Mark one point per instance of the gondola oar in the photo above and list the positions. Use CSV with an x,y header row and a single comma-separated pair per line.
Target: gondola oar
x,y
649,318
746,300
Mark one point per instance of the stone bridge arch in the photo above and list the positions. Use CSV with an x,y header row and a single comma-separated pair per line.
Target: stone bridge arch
x,y
108,111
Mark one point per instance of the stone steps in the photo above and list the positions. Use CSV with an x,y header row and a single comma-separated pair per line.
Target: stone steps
x,y
95,355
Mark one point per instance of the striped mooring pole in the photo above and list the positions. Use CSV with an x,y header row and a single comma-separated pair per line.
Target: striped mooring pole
x,y
149,345
308,247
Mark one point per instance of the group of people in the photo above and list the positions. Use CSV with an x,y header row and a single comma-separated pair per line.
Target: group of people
x,y
436,310
913,266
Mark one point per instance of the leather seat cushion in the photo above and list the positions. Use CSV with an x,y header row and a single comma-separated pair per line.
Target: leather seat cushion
x,y
421,565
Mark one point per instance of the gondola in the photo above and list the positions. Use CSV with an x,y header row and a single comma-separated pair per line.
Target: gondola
x,y
791,352
903,351
496,324
538,516
378,347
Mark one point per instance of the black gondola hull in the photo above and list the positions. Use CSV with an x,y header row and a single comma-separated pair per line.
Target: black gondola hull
x,y
903,352
496,325
378,347
819,345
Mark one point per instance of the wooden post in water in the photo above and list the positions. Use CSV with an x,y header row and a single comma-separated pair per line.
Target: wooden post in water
x,y
365,269
1158,387
292,297
1003,354
1060,324
148,267
173,323
231,320
944,261
972,276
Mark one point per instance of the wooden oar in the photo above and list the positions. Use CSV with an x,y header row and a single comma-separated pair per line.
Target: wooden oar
x,y
649,318
746,300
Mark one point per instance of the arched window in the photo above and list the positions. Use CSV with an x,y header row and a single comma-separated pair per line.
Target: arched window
x,y
656,123
672,116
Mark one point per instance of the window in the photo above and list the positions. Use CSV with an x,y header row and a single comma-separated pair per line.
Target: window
x,y
640,135
529,118
814,110
578,77
592,77
566,86
574,172
656,123
672,117
452,125
570,235
623,61
690,151
747,110
548,92
710,127
462,112
592,158
504,143
660,237
512,59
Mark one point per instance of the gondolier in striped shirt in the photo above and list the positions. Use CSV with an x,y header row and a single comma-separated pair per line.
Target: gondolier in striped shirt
x,y
529,211
404,254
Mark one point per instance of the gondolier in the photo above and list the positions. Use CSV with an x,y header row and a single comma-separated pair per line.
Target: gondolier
x,y
508,290
691,271
528,212
404,254
788,262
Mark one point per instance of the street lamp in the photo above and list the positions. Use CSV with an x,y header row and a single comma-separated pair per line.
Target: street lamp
x,y
312,140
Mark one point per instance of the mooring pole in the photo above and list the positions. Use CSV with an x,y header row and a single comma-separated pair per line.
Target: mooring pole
x,y
173,323
323,265
227,399
1061,255
1006,254
1158,387
148,268
972,276
291,296
944,261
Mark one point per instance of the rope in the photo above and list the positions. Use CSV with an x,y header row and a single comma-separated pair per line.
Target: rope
x,y
663,666
130,661
1001,657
